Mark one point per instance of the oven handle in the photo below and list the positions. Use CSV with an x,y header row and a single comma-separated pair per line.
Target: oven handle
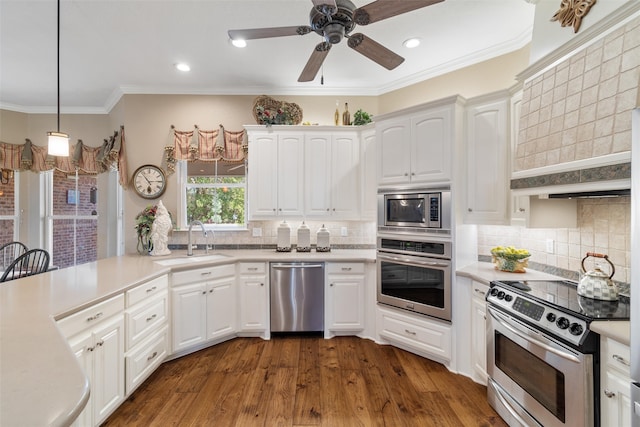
x,y
506,404
416,261
501,320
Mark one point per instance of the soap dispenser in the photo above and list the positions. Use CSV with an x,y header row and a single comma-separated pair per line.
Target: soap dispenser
x,y
304,238
323,240
284,237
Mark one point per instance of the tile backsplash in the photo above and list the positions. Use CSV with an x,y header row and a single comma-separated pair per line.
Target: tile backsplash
x,y
359,234
604,226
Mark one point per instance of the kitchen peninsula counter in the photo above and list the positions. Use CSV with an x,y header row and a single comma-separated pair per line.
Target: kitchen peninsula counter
x,y
41,382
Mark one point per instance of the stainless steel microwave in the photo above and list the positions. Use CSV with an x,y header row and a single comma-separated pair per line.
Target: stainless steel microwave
x,y
417,209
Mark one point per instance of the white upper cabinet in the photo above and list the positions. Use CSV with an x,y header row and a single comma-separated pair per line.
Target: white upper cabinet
x,y
415,145
368,174
332,174
275,174
487,153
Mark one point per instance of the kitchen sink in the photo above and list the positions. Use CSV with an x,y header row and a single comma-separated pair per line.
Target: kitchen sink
x,y
183,259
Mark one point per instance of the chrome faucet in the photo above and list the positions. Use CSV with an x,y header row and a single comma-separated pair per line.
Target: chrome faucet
x,y
189,248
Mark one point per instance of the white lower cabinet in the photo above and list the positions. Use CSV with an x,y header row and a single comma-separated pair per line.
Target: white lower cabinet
x,y
344,301
419,334
254,298
204,305
100,352
615,383
479,331
147,341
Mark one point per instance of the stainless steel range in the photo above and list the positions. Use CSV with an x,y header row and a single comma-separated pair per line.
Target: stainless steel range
x,y
542,358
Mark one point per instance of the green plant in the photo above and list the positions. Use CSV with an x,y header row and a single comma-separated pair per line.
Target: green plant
x,y
361,118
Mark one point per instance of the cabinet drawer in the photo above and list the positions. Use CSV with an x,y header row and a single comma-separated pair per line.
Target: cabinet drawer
x,y
146,290
430,337
479,290
144,360
617,356
202,274
144,319
345,268
252,268
90,316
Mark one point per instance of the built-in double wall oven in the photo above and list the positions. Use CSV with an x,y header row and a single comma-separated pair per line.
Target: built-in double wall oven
x,y
414,250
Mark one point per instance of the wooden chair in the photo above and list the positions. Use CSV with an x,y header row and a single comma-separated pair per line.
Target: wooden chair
x,y
9,252
32,262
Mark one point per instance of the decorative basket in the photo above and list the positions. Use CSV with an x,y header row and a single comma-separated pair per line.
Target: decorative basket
x,y
265,112
510,265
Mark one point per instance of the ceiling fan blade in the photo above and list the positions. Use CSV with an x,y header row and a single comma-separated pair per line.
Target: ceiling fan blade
x,y
383,9
315,62
375,51
264,33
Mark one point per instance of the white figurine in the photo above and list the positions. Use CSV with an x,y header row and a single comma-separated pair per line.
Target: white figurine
x,y
160,231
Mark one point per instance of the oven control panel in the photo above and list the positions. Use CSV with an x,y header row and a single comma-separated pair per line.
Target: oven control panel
x,y
551,320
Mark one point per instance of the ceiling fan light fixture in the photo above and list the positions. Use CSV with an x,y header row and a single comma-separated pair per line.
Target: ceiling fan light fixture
x,y
239,43
181,66
411,43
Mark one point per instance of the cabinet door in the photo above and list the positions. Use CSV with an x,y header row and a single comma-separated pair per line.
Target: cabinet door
x,y
317,177
221,307
289,172
616,400
108,368
368,175
345,176
479,338
487,189
254,301
345,302
189,315
262,179
431,141
394,141
83,348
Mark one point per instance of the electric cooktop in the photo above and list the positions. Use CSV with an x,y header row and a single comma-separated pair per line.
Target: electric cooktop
x,y
563,294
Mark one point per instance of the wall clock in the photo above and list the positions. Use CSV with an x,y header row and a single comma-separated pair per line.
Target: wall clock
x,y
149,181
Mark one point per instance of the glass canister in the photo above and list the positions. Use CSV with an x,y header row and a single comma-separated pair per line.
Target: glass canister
x,y
284,237
323,240
304,238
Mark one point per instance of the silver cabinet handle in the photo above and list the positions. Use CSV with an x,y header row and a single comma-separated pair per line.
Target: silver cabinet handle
x,y
621,360
479,291
151,318
99,343
521,210
204,292
410,332
90,348
96,317
346,268
252,268
152,289
155,353
205,273
609,393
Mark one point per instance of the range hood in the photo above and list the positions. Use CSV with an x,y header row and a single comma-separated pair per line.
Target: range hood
x,y
592,194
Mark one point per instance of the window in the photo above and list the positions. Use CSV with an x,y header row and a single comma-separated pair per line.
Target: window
x,y
214,194
9,212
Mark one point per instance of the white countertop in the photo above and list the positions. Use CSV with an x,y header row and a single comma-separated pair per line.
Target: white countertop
x,y
485,272
41,382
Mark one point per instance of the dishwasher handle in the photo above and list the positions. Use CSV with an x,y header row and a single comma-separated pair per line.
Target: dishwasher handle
x,y
296,265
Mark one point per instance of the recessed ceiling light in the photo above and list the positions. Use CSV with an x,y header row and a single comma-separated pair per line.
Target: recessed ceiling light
x,y
183,67
239,43
411,43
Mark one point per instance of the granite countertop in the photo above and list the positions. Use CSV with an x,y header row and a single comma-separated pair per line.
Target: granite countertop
x,y
485,272
42,382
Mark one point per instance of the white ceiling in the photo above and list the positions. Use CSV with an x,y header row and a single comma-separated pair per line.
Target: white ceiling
x,y
114,47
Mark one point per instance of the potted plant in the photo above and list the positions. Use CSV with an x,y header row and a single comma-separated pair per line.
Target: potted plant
x,y
144,220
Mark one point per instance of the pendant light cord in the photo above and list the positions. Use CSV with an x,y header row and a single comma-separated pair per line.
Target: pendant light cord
x,y
58,58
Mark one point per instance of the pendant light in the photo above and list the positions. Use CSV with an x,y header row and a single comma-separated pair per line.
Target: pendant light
x,y
58,142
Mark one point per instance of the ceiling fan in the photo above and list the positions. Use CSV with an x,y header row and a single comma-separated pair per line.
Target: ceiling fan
x,y
335,19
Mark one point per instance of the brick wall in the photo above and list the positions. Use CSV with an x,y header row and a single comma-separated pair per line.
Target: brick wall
x,y
86,233
7,207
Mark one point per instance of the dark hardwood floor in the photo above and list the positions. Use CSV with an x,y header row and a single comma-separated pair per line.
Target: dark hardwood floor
x,y
305,381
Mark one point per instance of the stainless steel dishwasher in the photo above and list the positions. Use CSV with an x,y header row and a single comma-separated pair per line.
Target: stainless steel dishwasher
x,y
297,296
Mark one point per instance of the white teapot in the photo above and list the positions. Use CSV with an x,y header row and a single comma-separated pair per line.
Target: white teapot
x,y
596,283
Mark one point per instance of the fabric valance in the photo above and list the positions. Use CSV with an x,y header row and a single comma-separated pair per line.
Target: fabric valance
x,y
219,145
87,160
